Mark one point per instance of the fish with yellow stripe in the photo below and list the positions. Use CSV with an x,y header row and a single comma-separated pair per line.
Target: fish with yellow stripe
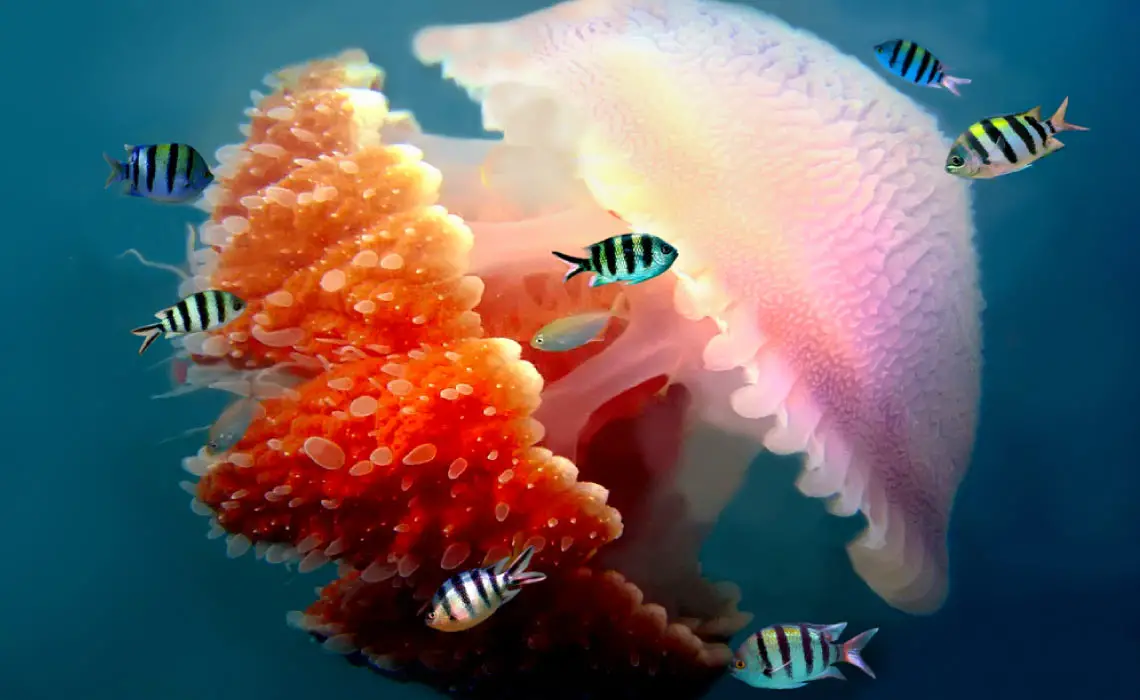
x,y
631,258
1001,145
161,172
785,656
470,597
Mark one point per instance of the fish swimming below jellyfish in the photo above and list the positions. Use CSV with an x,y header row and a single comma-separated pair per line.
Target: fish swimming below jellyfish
x,y
470,597
782,657
841,286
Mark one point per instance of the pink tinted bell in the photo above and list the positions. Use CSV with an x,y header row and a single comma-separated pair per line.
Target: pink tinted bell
x,y
826,299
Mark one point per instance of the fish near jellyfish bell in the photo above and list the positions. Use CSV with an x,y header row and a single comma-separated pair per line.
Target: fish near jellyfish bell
x,y
680,142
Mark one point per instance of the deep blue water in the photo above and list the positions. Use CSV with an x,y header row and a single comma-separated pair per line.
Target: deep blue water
x,y
110,589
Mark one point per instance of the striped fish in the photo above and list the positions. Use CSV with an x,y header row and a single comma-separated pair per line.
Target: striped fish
x,y
628,257
201,311
469,598
782,657
164,172
1002,145
916,65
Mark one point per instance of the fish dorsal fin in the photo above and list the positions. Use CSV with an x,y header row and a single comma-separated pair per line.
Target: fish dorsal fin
x,y
521,562
1035,113
830,632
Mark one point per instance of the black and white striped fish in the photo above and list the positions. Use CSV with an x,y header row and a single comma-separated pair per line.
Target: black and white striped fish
x,y
201,311
164,172
470,597
1002,145
628,257
917,65
782,657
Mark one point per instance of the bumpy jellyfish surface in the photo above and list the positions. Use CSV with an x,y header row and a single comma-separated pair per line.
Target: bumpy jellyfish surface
x,y
815,225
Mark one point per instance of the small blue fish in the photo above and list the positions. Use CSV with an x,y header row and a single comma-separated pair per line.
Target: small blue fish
x,y
916,65
165,172
782,657
469,598
230,427
628,257
572,332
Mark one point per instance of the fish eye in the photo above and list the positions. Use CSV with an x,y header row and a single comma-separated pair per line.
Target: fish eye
x,y
666,248
431,615
539,340
739,664
956,161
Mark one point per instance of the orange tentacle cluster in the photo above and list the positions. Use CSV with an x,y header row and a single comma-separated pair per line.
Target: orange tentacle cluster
x,y
398,461
407,451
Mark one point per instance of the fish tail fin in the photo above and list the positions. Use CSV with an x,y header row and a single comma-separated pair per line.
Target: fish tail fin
x,y
951,83
117,174
1058,119
853,648
149,333
516,573
577,265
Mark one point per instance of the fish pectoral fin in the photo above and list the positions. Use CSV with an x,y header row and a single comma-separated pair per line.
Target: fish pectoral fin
x,y
638,279
835,673
527,577
781,667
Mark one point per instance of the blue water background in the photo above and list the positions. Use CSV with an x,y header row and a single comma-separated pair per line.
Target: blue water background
x,y
110,589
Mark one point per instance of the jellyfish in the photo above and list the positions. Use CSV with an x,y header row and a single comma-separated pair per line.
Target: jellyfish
x,y
824,302
815,230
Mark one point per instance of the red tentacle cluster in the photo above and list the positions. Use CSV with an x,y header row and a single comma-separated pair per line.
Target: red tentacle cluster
x,y
403,449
